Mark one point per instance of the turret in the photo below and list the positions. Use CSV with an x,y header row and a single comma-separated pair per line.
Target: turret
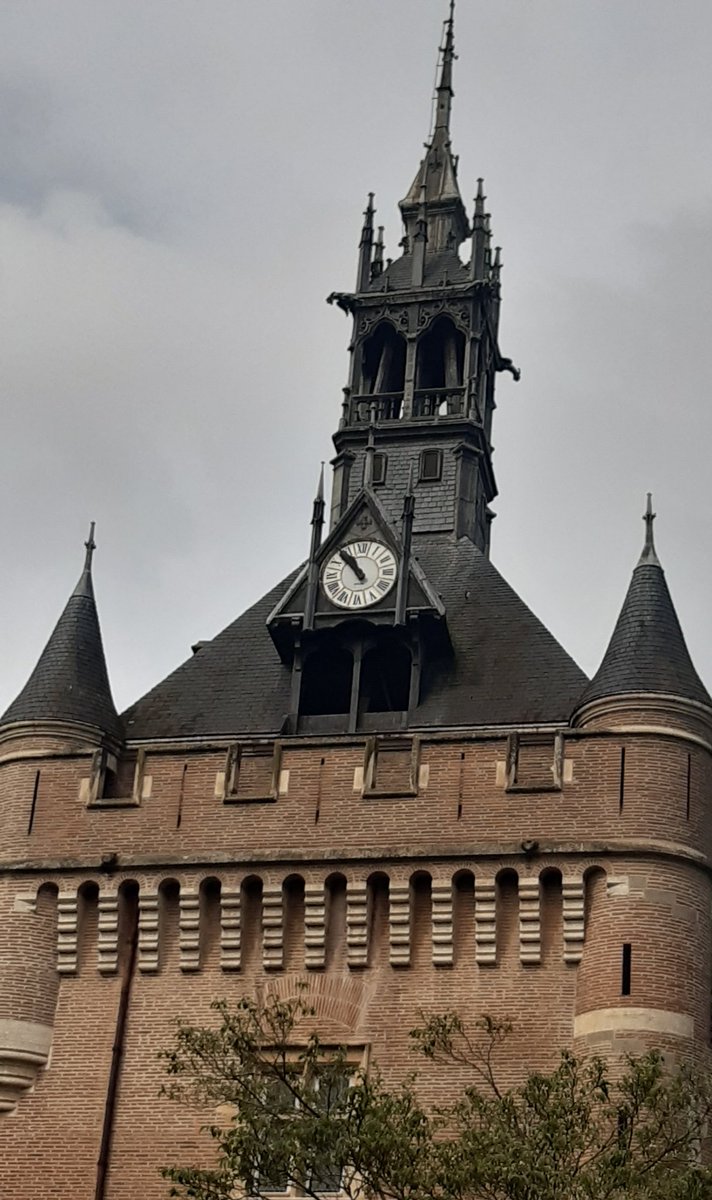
x,y
646,677
68,692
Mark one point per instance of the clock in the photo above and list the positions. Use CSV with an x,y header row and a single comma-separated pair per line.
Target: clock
x,y
359,574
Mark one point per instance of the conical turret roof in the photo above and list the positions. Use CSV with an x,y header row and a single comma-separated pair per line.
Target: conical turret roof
x,y
647,652
70,681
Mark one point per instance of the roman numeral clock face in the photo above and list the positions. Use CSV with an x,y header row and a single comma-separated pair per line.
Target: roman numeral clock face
x,y
359,574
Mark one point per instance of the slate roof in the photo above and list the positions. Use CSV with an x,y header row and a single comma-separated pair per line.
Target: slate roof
x,y
439,266
647,652
507,668
70,681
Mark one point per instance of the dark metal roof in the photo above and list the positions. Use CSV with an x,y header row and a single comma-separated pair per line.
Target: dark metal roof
x,y
70,681
443,267
507,669
647,652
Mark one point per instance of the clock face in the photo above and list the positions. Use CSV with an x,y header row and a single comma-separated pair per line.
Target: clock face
x,y
359,574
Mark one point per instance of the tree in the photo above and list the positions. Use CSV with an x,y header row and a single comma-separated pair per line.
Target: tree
x,y
294,1112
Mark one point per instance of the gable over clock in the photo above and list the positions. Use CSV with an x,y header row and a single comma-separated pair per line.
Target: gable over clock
x,y
356,623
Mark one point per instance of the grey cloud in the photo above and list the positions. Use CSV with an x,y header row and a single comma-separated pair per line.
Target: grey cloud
x,y
180,188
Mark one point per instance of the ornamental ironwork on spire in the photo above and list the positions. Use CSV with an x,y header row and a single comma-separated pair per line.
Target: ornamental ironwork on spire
x,y
70,683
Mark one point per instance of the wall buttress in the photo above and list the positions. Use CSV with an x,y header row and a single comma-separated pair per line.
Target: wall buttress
x,y
573,906
189,930
230,932
272,929
148,931
529,922
400,925
314,926
486,922
442,924
357,924
107,949
67,903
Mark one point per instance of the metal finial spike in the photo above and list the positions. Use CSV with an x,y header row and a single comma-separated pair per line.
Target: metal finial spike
x,y
649,555
320,488
90,547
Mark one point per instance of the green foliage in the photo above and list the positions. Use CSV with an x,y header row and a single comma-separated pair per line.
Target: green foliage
x,y
296,1113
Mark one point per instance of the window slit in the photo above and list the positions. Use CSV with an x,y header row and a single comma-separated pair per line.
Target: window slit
x,y
625,970
621,791
33,806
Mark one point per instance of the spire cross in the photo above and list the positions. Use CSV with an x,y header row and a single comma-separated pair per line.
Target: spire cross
x,y
90,547
649,555
649,517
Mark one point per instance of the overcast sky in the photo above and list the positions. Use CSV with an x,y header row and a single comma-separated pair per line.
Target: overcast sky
x,y
181,185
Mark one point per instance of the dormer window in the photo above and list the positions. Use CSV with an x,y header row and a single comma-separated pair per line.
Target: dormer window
x,y
380,463
431,466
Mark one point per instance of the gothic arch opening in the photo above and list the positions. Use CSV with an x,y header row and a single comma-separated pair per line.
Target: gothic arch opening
x,y
335,921
421,919
210,913
251,910
326,681
385,677
87,925
383,361
168,923
552,921
293,900
463,918
507,916
440,357
378,919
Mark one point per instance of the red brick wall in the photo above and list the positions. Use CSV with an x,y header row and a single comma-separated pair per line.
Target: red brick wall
x,y
462,825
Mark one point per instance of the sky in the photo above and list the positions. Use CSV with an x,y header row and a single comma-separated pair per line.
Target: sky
x,y
181,186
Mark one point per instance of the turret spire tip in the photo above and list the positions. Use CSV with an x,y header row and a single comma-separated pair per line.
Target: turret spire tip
x,y
90,545
649,555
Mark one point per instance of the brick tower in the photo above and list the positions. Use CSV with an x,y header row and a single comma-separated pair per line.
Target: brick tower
x,y
386,781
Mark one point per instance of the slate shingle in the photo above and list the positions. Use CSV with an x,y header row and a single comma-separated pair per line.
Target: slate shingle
x,y
70,681
506,669
647,652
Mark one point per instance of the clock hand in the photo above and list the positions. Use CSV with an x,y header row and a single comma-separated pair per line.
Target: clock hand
x,y
351,562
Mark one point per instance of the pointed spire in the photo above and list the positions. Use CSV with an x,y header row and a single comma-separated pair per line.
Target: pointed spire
x,y
444,92
85,586
647,653
378,252
437,173
70,683
648,555
317,524
365,249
